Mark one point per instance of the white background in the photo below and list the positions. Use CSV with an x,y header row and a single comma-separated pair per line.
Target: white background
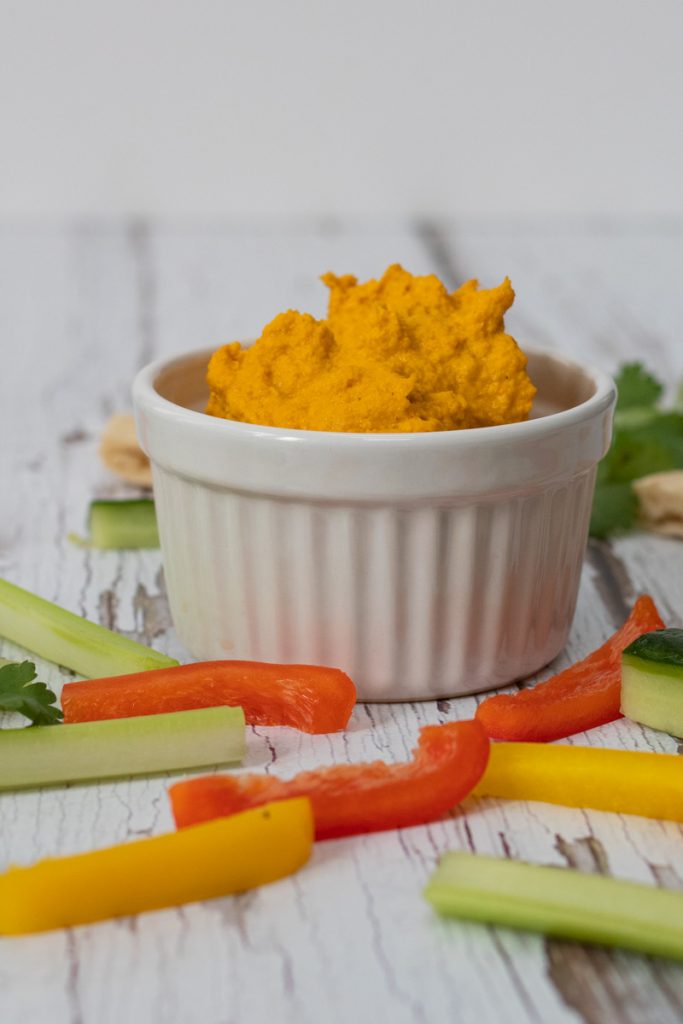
x,y
282,107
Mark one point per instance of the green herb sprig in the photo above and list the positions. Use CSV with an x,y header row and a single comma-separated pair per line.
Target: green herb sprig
x,y
19,693
647,439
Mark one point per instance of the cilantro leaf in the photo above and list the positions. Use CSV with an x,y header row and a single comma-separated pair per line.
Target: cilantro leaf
x,y
19,693
633,454
615,509
678,401
646,440
636,387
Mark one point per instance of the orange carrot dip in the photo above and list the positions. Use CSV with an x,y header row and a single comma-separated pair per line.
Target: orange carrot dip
x,y
400,354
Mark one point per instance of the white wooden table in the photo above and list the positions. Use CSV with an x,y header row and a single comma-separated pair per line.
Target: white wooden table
x,y
350,938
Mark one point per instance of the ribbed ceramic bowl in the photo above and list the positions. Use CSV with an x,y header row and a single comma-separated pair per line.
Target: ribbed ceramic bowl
x,y
424,565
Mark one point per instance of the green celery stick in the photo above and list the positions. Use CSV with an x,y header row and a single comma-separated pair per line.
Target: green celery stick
x,y
67,639
559,902
47,755
123,524
652,680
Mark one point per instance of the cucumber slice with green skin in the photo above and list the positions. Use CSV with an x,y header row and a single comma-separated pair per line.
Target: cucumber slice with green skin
x,y
60,636
652,680
123,524
48,755
559,902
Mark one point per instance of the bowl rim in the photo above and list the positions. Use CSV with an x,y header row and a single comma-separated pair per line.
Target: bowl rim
x,y
146,394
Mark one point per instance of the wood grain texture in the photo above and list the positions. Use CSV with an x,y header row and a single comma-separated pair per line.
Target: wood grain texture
x,y
350,938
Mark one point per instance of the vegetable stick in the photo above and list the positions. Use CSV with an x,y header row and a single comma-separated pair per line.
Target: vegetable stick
x,y
121,525
49,755
67,639
353,798
580,697
623,781
311,698
652,680
221,857
560,902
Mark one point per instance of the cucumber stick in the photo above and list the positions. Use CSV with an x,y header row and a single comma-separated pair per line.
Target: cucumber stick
x,y
123,524
652,680
46,755
67,639
559,902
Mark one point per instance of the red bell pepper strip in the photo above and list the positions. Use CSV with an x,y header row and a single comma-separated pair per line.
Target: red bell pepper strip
x,y
581,697
347,799
311,698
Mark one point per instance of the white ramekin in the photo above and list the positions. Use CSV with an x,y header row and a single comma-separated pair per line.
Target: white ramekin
x,y
424,565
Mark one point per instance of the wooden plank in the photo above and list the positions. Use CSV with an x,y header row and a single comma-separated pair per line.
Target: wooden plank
x,y
593,289
350,936
597,292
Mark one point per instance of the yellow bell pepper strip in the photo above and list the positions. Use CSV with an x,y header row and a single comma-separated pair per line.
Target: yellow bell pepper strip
x,y
623,781
560,902
203,862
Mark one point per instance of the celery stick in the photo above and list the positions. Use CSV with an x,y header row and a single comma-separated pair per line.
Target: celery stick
x,y
123,524
47,755
67,639
559,902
